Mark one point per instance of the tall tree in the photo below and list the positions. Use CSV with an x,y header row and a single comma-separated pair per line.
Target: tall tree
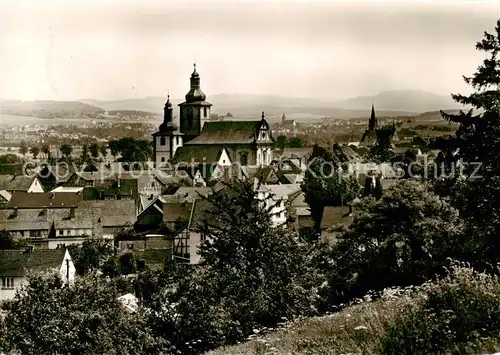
x,y
86,318
35,151
45,149
402,239
103,149
66,150
8,242
23,148
326,184
478,137
251,275
478,145
94,150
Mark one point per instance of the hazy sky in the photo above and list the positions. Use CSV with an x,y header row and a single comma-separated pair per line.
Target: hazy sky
x,y
329,49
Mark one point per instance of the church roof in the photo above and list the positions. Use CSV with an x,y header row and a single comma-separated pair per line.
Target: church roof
x,y
227,132
198,153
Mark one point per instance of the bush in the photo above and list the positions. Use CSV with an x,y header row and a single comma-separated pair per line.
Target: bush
x,y
459,314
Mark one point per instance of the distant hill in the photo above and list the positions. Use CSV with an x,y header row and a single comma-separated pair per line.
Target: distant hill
x,y
48,108
251,106
398,103
401,100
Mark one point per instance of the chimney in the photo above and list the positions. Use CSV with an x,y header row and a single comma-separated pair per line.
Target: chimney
x,y
72,212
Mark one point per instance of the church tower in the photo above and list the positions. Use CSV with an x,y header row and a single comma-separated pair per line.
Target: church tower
x,y
168,138
195,111
372,124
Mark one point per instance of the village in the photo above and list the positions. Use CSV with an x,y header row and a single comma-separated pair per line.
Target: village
x,y
324,179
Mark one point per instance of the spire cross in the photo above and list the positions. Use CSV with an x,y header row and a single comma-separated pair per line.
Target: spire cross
x,y
262,114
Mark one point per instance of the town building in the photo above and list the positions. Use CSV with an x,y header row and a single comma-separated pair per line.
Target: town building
x,y
374,131
198,139
16,264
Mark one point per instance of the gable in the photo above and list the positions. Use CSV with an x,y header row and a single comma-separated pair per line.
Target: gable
x,y
264,133
224,159
36,186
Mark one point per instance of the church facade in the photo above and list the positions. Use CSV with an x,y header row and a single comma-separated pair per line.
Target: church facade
x,y
199,140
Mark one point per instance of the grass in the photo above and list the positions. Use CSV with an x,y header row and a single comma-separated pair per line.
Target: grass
x,y
459,314
358,329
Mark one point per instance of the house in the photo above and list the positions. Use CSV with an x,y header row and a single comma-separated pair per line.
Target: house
x,y
300,212
26,200
182,221
63,218
15,265
20,183
5,197
100,187
278,196
149,221
53,175
334,220
51,228
298,156
114,215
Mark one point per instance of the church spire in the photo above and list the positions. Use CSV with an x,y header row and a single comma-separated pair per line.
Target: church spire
x,y
372,124
195,94
168,119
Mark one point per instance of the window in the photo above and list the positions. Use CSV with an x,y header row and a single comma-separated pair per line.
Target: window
x,y
244,159
162,141
61,246
190,117
177,140
61,232
7,282
205,112
162,159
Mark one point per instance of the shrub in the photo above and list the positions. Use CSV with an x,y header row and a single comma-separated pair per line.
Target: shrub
x,y
459,314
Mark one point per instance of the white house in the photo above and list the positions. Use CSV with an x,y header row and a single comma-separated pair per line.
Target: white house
x,y
277,196
15,265
20,183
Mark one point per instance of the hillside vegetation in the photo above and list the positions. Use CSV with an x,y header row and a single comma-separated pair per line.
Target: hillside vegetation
x,y
459,314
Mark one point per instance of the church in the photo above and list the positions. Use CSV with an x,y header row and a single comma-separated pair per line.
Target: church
x,y
374,132
200,140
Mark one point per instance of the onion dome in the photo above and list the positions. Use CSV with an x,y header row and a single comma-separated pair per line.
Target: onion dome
x,y
195,93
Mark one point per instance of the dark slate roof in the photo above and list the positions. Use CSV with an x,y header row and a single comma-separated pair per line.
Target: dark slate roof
x,y
47,199
114,213
18,263
227,132
16,182
198,154
42,219
369,137
176,211
296,152
305,221
195,103
335,216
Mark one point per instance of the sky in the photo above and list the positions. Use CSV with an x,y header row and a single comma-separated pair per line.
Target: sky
x,y
109,50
